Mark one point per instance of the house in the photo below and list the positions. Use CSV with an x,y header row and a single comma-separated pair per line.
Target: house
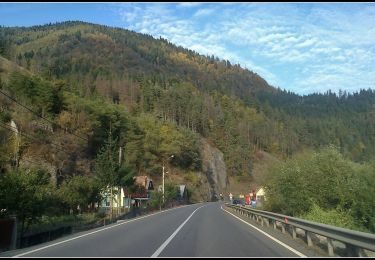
x,y
117,198
144,187
260,195
122,199
144,181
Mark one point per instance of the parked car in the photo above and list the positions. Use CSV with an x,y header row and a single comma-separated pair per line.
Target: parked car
x,y
238,202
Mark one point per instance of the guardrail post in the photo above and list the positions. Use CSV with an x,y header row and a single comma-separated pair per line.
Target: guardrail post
x,y
294,233
308,238
283,228
330,246
353,250
356,243
267,222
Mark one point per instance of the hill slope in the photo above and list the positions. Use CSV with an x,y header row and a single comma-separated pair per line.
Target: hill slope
x,y
235,109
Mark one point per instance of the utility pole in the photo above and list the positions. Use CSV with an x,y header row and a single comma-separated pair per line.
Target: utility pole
x,y
119,206
163,181
164,174
110,159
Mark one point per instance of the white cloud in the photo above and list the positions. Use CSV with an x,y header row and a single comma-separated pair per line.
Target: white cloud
x,y
333,44
306,43
188,4
204,12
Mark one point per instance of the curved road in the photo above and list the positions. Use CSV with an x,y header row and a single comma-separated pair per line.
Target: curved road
x,y
199,230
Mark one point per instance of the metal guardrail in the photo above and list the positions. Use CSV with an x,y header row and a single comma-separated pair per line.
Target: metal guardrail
x,y
354,240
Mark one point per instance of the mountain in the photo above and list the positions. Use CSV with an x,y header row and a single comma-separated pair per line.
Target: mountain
x,y
158,99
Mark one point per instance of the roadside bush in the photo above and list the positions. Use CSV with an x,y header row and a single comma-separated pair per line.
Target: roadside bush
x,y
332,217
324,187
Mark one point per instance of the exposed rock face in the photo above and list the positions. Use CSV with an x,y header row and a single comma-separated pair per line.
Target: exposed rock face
x,y
214,167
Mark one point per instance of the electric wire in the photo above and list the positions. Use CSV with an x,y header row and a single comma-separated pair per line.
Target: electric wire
x,y
29,137
35,113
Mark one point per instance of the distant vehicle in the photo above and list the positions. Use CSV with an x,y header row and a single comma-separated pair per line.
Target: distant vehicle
x,y
238,202
248,199
254,203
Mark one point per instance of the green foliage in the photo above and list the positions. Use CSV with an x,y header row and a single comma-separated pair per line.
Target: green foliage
x,y
331,217
324,180
171,192
192,177
27,194
163,140
5,155
46,223
4,44
126,174
43,95
106,167
79,191
156,199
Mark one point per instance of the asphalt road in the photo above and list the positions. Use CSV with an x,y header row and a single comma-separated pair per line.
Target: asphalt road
x,y
200,230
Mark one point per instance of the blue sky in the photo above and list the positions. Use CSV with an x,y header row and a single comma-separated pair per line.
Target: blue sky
x,y
304,48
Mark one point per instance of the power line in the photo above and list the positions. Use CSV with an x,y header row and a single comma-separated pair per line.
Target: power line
x,y
32,138
23,159
35,113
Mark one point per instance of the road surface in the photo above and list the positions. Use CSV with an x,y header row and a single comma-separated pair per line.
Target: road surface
x,y
199,230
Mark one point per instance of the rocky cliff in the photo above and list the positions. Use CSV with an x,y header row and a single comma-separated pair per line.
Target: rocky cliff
x,y
214,168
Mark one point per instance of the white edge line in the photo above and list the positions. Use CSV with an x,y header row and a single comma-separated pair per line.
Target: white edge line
x,y
269,236
58,243
166,242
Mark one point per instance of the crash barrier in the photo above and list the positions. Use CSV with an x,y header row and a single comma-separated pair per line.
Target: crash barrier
x,y
354,241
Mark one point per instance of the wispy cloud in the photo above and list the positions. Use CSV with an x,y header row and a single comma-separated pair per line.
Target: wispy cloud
x,y
295,46
204,12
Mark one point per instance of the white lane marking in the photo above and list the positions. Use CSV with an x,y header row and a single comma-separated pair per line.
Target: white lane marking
x,y
161,248
122,223
269,236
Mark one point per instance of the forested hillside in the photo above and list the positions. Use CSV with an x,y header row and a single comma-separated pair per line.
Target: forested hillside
x,y
232,107
72,88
